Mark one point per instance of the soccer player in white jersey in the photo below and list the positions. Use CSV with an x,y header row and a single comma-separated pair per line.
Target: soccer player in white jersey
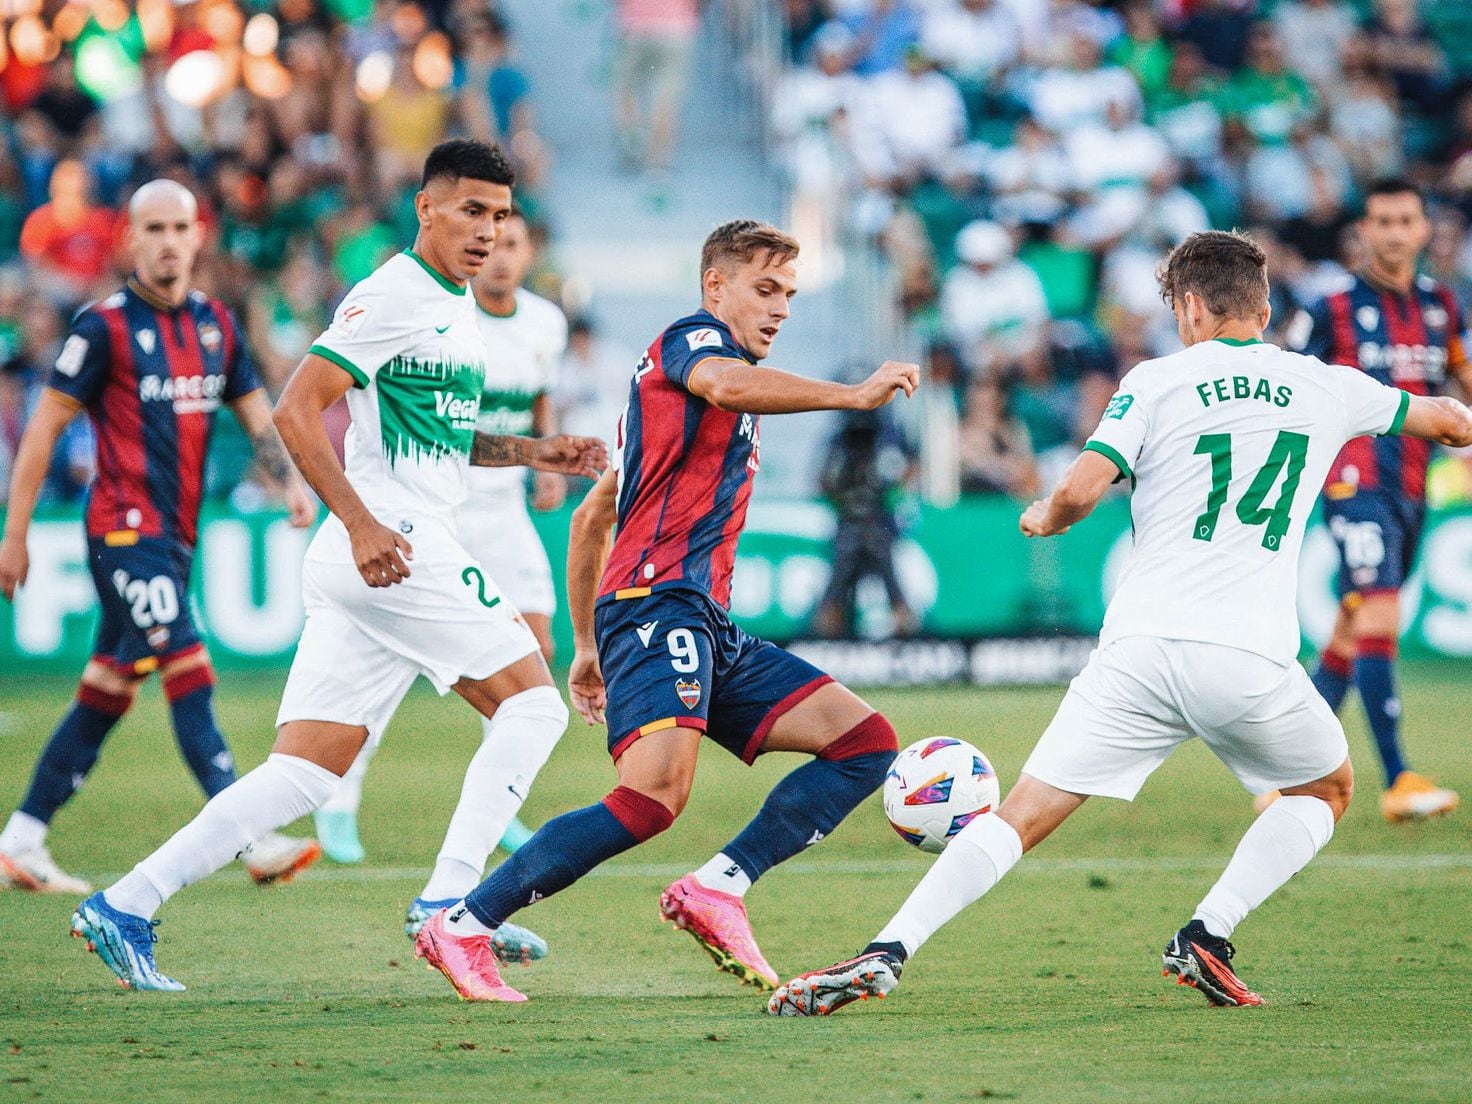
x,y
1225,445
390,592
525,337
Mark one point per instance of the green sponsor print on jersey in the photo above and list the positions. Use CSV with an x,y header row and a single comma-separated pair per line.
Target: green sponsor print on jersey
x,y
1119,406
427,408
1242,387
507,413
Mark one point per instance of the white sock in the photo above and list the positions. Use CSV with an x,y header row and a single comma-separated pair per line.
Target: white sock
x,y
23,833
349,792
1279,844
975,860
281,789
462,922
516,744
724,874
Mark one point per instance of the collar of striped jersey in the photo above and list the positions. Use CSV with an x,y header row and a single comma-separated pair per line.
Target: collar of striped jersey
x,y
153,299
439,278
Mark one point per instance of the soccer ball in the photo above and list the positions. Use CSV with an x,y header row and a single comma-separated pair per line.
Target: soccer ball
x,y
937,787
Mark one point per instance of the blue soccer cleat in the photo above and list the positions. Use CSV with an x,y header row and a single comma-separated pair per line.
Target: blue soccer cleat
x,y
123,941
337,832
511,942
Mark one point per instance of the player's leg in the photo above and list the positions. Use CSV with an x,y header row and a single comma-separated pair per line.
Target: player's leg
x,y
337,821
1286,739
524,718
1335,670
1115,725
104,695
1360,545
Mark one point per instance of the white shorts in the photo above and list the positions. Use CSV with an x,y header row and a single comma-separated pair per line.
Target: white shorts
x,y
498,531
362,646
1141,696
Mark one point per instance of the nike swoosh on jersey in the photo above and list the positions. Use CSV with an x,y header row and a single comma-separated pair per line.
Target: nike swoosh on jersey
x,y
442,329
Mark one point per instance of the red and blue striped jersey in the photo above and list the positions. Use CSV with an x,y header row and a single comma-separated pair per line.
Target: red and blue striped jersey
x,y
685,471
151,378
1409,341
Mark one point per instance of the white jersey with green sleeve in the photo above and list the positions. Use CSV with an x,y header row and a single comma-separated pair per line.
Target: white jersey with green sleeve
x,y
523,350
1227,445
409,339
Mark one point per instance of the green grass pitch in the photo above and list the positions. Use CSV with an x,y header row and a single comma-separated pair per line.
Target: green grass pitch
x,y
1049,990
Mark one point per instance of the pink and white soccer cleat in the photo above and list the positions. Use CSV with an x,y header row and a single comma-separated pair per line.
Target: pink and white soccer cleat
x,y
718,922
467,961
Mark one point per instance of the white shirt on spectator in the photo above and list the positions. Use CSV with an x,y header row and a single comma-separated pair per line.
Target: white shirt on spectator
x,y
1002,308
972,44
905,122
1063,99
1315,37
1100,156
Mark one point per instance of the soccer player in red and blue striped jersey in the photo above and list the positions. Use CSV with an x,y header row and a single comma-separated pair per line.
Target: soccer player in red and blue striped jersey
x,y
150,365
1404,330
658,657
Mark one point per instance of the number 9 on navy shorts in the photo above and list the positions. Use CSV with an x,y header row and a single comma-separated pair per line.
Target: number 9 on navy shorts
x,y
675,659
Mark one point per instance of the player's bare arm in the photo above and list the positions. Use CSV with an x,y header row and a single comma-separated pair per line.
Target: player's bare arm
x,y
1073,499
563,455
735,385
1439,418
549,490
589,539
253,413
32,458
380,553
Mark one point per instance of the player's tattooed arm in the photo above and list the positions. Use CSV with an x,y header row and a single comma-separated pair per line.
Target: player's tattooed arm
x,y
563,454
271,454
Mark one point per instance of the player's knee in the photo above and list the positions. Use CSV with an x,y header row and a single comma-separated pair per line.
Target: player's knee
x,y
100,681
874,735
644,815
187,675
542,705
1377,617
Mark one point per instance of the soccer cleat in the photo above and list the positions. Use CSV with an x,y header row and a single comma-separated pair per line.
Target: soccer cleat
x,y
515,836
123,941
823,992
718,922
1416,797
275,858
467,961
513,944
35,871
1203,961
337,832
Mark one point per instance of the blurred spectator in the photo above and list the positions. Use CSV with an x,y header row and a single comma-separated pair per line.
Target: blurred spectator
x,y
592,383
974,40
908,122
995,450
655,42
69,241
1142,49
865,465
883,31
1080,90
1406,50
1314,34
992,305
25,375
1268,97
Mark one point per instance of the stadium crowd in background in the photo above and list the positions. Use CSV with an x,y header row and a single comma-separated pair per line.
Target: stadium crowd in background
x,y
301,127
1025,162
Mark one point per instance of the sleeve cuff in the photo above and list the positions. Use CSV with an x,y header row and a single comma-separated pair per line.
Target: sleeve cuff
x,y
1112,455
360,377
1398,423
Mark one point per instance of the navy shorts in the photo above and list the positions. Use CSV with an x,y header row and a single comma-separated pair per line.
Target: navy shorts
x,y
144,591
674,658
1377,536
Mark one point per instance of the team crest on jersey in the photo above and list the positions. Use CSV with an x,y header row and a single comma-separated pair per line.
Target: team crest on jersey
x,y
147,341
704,339
688,692
1119,406
1368,317
210,337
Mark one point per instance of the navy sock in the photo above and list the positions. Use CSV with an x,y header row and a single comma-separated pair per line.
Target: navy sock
x,y
191,706
1374,674
1331,678
804,807
563,850
72,751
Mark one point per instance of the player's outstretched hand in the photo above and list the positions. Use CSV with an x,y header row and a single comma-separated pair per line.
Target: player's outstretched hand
x,y
15,564
1034,522
381,554
566,455
892,377
301,504
585,687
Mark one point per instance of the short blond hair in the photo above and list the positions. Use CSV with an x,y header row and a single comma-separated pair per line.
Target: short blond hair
x,y
740,240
